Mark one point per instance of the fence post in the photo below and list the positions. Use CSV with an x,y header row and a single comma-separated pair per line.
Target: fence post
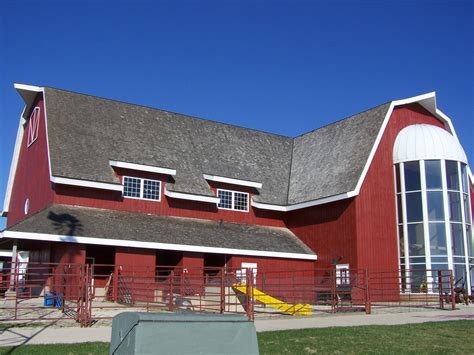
x,y
170,294
333,291
368,304
451,285
440,290
249,294
222,308
115,283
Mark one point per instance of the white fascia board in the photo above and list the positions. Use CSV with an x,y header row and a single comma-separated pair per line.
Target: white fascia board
x,y
257,185
151,245
14,163
185,196
307,204
85,183
5,253
25,87
140,167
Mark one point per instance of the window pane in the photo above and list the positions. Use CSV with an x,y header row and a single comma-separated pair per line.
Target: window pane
x,y
452,176
435,206
464,178
399,208
240,201
467,209
151,189
401,244
131,187
433,174
414,209
418,278
454,207
412,176
459,276
438,239
416,239
457,239
226,199
397,178
470,242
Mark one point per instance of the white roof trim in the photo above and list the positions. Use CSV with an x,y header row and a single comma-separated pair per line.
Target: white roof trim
x,y
151,245
257,185
85,183
28,87
141,167
185,196
303,204
6,253
14,164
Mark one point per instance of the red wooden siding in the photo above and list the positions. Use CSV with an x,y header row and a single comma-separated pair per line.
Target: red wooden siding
x,y
377,241
329,230
32,174
71,195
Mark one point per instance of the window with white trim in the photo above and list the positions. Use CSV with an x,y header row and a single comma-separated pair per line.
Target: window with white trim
x,y
144,189
33,126
342,274
233,200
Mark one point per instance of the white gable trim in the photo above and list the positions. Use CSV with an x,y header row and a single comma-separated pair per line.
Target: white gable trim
x,y
151,245
141,167
185,196
257,185
85,183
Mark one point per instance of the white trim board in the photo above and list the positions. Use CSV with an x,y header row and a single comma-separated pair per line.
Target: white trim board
x,y
151,245
185,196
141,167
257,185
85,183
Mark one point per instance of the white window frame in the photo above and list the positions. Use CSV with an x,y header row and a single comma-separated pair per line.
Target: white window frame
x,y
33,126
233,200
343,276
142,182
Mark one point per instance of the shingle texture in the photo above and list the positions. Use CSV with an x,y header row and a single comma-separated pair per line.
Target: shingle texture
x,y
76,221
85,132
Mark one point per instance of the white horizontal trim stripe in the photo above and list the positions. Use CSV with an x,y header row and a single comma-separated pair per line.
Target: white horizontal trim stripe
x,y
303,204
191,197
257,185
149,245
140,167
85,183
6,253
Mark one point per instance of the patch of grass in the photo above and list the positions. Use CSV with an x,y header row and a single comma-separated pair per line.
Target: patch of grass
x,y
63,349
425,338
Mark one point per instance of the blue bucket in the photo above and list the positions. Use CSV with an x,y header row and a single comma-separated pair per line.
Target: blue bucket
x,y
49,299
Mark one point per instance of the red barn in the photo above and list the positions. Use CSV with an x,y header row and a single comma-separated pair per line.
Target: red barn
x,y
100,181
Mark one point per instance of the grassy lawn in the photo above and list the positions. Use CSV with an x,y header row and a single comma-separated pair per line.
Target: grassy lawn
x,y
427,338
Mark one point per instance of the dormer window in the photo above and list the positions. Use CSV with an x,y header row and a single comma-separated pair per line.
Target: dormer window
x,y
233,200
144,189
33,126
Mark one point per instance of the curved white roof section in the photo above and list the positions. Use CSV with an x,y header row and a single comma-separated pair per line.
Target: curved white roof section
x,y
424,141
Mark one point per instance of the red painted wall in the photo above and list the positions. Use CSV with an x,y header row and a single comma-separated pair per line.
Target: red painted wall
x,y
377,241
71,195
32,174
329,230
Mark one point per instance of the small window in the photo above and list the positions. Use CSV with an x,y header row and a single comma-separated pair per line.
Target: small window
x,y
141,188
33,126
342,274
233,200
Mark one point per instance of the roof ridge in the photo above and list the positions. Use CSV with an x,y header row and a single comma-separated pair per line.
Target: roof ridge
x,y
171,112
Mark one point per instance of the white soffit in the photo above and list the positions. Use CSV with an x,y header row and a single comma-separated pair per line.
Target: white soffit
x,y
191,197
257,185
424,141
141,167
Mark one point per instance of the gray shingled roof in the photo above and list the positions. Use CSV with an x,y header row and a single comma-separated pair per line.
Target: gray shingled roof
x,y
85,132
109,224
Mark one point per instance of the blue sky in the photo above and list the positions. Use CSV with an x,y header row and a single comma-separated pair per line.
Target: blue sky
x,y
285,67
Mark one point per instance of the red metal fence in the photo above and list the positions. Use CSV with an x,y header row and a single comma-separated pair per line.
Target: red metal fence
x,y
88,293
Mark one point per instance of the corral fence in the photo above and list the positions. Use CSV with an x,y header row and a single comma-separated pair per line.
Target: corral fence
x,y
88,293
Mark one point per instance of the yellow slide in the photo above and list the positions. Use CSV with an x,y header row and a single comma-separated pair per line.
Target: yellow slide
x,y
292,309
